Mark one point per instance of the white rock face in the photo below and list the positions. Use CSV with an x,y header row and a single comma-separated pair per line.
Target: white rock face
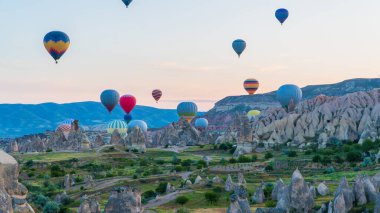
x,y
323,189
12,193
350,117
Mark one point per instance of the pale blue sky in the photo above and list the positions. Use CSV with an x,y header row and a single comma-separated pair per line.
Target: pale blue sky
x,y
182,47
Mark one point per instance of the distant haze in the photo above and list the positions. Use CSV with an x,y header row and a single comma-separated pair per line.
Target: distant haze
x,y
182,48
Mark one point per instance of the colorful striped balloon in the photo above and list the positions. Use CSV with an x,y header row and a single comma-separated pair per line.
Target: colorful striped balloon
x,y
157,94
118,125
56,43
65,128
187,110
251,85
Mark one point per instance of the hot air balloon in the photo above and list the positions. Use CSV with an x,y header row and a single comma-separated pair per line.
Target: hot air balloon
x,y
281,15
187,110
56,43
201,123
289,96
251,85
118,125
110,98
65,128
252,114
68,121
138,123
127,2
127,102
239,46
127,118
156,94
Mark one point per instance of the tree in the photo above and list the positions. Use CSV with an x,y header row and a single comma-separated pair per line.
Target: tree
x,y
292,154
268,155
161,189
367,145
254,158
41,200
212,197
354,156
317,158
182,200
51,207
175,160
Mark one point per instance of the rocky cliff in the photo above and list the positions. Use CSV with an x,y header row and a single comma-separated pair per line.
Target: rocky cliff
x,y
322,119
12,193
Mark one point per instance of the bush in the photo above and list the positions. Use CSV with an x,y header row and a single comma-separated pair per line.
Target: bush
x,y
269,168
308,152
223,161
244,159
329,170
270,204
367,162
268,155
338,159
56,171
182,200
175,160
186,163
178,168
51,207
367,145
149,194
41,200
254,158
292,154
354,156
161,189
316,158
160,162
326,160
212,197
217,189
233,160
268,191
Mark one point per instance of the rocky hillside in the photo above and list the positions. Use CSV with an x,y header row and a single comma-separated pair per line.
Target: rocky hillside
x,y
22,119
226,109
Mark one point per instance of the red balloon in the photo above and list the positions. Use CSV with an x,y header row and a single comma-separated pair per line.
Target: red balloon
x,y
127,102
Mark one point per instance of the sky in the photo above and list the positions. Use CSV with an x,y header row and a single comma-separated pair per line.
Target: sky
x,y
182,47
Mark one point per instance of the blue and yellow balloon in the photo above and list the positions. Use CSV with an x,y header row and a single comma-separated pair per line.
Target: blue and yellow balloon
x,y
56,43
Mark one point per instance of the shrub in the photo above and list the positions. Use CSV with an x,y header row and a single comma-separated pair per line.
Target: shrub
x,y
244,159
175,160
353,156
292,154
268,191
367,162
268,155
329,170
254,158
41,200
186,163
367,145
233,160
160,162
338,159
269,168
56,171
308,152
223,161
212,197
270,204
182,200
51,207
161,189
326,160
178,168
316,158
217,189
148,194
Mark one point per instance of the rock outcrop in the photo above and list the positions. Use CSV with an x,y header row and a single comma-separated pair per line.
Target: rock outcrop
x,y
136,140
359,191
259,196
12,193
322,189
124,199
347,193
278,186
229,185
301,199
89,205
239,201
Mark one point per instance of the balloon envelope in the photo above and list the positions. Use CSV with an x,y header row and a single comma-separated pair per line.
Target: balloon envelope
x,y
251,85
157,94
239,46
110,98
68,121
201,123
289,94
138,123
128,118
127,2
118,125
56,43
65,128
281,15
187,110
253,113
127,102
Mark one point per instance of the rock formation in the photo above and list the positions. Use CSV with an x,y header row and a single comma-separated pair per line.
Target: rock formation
x,y
89,205
124,199
136,140
347,193
198,180
229,186
239,202
217,179
300,197
279,185
117,139
12,193
241,179
322,189
377,204
259,196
